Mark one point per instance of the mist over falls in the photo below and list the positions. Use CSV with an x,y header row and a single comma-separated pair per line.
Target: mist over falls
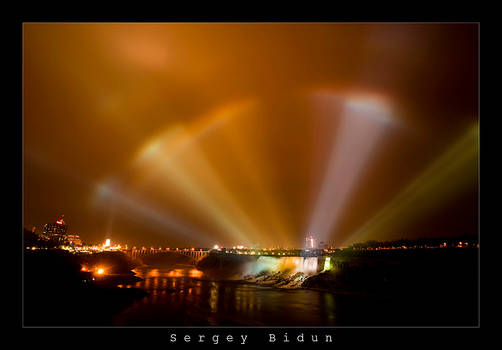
x,y
285,272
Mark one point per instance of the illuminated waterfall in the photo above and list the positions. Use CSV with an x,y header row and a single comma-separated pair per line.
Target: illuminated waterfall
x,y
285,265
283,272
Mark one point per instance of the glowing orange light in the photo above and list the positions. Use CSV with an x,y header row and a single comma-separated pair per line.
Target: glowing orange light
x,y
175,273
195,273
100,271
83,268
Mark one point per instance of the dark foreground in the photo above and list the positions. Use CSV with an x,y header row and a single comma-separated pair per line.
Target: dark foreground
x,y
423,287
404,288
57,293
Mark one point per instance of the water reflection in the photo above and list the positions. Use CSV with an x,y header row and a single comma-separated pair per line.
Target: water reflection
x,y
213,298
182,296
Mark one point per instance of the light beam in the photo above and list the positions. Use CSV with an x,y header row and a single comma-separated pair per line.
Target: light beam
x,y
438,183
362,123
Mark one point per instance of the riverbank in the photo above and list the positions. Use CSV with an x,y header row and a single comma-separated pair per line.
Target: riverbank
x,y
58,293
406,287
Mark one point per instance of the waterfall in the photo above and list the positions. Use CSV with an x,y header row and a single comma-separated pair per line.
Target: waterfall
x,y
310,265
289,265
284,272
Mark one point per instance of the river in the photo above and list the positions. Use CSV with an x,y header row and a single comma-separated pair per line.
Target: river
x,y
181,296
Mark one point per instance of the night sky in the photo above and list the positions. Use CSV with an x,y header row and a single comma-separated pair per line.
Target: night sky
x,y
195,134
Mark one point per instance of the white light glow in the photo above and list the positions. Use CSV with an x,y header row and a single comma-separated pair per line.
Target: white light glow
x,y
361,126
137,209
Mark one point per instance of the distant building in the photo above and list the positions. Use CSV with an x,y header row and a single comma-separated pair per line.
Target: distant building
x,y
74,240
310,242
57,232
59,227
323,245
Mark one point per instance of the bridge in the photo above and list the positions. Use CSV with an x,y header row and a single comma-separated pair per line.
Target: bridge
x,y
196,254
322,256
277,252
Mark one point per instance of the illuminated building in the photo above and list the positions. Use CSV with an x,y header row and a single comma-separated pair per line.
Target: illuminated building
x,y
57,231
108,246
59,227
74,240
310,242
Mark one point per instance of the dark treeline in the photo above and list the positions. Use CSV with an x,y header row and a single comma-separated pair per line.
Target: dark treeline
x,y
471,241
32,239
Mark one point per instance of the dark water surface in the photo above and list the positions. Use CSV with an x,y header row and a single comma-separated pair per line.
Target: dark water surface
x,y
183,296
180,296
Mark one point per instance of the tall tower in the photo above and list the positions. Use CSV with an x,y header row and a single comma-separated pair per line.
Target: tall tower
x,y
310,242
